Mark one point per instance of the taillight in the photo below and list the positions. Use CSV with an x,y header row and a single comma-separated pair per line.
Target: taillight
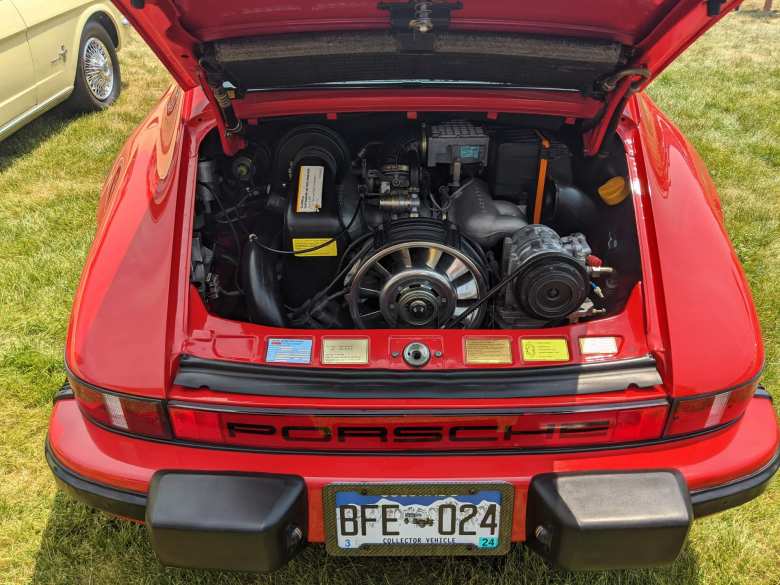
x,y
139,416
324,430
690,415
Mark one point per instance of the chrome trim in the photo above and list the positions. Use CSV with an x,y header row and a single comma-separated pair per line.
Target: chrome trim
x,y
28,116
443,412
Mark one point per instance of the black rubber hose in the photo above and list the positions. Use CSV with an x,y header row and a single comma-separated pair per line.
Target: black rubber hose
x,y
263,297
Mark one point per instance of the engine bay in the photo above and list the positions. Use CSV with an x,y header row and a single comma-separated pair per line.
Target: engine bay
x,y
378,221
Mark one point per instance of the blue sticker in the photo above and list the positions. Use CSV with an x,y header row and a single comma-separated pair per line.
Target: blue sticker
x,y
289,351
488,542
469,152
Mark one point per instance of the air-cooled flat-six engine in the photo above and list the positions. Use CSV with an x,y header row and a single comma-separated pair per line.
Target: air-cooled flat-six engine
x,y
444,224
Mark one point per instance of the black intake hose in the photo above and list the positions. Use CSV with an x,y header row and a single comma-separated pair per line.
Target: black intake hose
x,y
481,219
261,287
568,210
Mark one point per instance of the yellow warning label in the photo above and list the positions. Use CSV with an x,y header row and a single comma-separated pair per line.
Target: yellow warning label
x,y
329,246
488,351
544,350
344,351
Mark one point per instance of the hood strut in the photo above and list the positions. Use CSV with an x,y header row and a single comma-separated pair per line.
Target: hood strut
x,y
232,124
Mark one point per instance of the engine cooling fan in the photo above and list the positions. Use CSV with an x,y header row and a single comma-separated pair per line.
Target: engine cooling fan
x,y
420,274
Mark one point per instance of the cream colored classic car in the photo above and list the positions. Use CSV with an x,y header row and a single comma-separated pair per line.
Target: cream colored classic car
x,y
57,50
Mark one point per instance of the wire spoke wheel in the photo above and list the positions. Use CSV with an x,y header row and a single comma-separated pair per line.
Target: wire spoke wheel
x,y
98,68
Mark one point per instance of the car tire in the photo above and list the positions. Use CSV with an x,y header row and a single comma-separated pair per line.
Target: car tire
x,y
98,77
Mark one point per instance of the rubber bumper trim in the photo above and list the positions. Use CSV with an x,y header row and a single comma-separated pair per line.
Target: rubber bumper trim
x,y
228,521
740,491
608,520
132,505
115,501
574,379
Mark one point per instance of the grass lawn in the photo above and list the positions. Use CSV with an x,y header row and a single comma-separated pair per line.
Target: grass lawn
x,y
724,93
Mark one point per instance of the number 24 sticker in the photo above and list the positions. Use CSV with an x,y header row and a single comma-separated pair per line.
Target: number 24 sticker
x,y
488,542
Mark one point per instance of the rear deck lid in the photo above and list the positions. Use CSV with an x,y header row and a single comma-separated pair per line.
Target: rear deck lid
x,y
596,48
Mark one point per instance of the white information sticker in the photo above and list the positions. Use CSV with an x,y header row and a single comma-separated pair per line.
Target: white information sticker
x,y
310,181
288,351
598,345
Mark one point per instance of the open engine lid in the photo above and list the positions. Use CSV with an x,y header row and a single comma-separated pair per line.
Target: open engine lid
x,y
601,49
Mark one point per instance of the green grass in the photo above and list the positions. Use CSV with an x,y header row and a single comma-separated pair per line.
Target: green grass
x,y
725,95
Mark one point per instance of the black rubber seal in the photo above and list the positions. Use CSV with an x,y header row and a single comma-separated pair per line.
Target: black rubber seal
x,y
108,499
735,493
133,505
762,392
576,379
64,393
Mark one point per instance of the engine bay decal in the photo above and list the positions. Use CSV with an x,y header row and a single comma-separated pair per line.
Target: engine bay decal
x,y
488,350
310,182
288,351
345,351
545,350
327,249
598,345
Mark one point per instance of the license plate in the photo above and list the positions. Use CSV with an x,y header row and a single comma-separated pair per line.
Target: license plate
x,y
418,519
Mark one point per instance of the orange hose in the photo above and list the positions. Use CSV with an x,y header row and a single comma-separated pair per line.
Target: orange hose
x,y
541,180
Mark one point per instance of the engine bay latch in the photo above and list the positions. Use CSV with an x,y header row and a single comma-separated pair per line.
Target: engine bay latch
x,y
417,354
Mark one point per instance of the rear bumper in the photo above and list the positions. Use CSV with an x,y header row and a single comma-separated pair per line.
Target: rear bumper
x,y
132,505
114,473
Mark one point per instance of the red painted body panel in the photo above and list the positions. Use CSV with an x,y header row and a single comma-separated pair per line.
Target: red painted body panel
x,y
713,338
121,318
212,337
135,313
129,463
278,103
135,293
621,20
659,28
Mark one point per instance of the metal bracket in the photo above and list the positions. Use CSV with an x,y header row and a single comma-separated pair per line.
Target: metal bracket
x,y
416,19
610,83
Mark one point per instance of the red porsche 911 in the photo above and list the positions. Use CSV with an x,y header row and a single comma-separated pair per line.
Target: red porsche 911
x,y
413,278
